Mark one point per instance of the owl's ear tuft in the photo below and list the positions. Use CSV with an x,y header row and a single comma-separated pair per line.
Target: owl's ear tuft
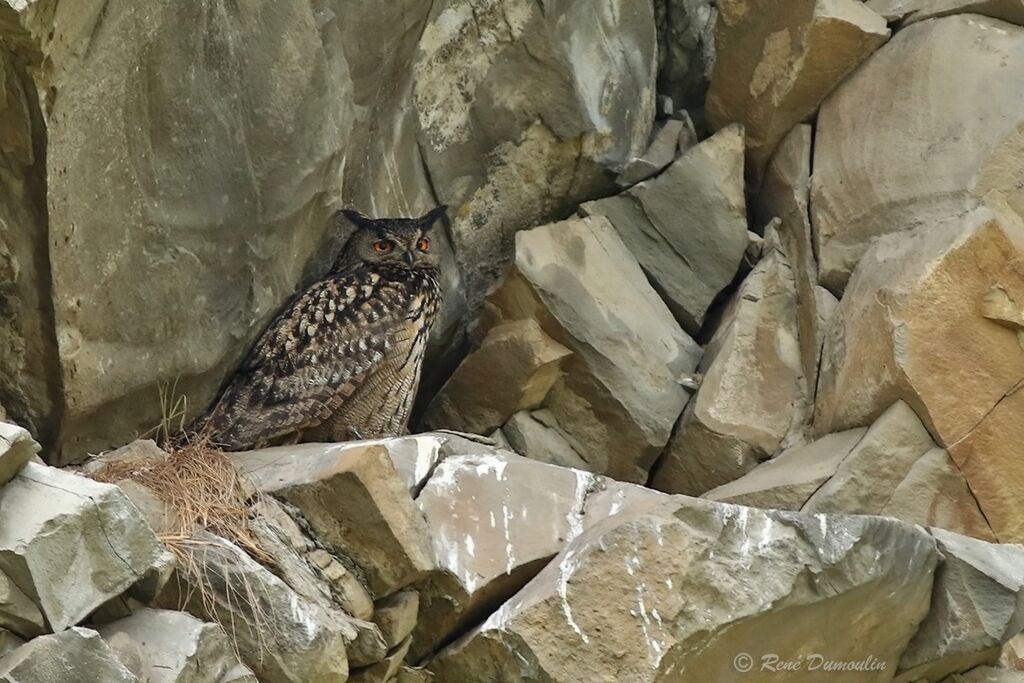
x,y
358,219
428,220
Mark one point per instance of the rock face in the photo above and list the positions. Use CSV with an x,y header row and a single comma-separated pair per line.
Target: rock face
x,y
867,177
886,345
618,396
786,481
28,378
509,112
521,105
686,45
752,251
681,626
69,543
774,64
753,391
688,226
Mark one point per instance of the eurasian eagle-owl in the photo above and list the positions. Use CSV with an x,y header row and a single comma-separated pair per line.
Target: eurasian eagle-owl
x,y
343,359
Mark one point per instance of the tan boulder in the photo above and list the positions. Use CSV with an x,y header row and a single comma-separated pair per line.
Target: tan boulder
x,y
775,63
618,397
786,481
512,370
869,178
896,470
887,344
864,482
935,493
753,393
666,594
378,526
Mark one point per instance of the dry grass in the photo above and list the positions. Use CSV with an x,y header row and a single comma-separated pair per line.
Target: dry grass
x,y
202,490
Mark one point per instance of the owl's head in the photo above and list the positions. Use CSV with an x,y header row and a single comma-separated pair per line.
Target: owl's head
x,y
403,242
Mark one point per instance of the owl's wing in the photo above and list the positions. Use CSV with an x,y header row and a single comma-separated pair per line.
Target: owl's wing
x,y
312,357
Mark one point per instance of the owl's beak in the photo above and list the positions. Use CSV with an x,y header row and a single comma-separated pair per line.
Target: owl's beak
x,y
410,257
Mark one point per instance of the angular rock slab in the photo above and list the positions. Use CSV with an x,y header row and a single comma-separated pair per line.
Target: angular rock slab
x,y
495,520
786,481
676,593
71,543
887,344
864,482
175,647
535,435
354,502
618,397
688,226
665,142
513,369
16,448
77,654
18,613
895,470
977,606
776,62
935,77
753,393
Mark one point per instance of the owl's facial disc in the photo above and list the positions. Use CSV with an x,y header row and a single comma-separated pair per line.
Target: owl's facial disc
x,y
405,242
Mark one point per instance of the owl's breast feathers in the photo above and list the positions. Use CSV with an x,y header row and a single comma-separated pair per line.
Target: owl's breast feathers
x,y
320,349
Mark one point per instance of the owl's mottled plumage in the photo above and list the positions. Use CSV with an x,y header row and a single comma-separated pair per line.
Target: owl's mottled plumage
x,y
343,359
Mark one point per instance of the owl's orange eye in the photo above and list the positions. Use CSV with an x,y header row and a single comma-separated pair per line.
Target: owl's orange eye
x,y
383,246
423,244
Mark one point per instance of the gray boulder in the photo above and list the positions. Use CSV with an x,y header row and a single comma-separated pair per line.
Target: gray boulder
x,y
70,543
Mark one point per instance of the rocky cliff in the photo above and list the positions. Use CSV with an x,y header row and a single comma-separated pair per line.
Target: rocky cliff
x,y
726,385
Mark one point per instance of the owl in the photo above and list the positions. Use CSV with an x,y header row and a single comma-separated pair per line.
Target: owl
x,y
342,361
